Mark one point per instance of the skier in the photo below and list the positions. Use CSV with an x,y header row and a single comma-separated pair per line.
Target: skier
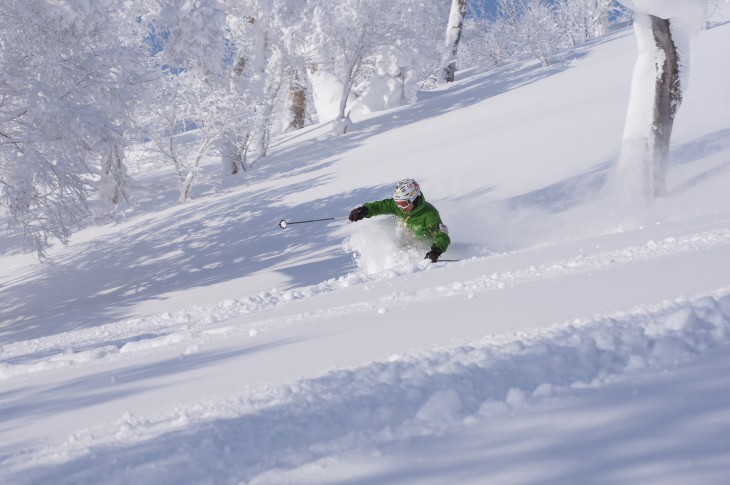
x,y
418,216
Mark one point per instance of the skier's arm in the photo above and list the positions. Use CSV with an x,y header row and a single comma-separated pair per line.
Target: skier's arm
x,y
381,207
441,239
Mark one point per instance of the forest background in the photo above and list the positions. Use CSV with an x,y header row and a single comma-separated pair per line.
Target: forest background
x,y
94,93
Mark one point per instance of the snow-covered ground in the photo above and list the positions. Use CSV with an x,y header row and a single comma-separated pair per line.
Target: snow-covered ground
x,y
574,342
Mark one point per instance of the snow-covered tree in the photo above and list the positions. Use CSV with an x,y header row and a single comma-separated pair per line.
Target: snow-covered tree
x,y
71,73
247,130
538,28
540,34
297,102
113,179
411,55
267,74
582,20
347,39
718,11
340,46
271,68
505,30
488,41
186,99
221,74
447,69
663,31
223,70
191,91
293,29
520,27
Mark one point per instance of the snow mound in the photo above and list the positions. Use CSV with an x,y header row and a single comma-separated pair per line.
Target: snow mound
x,y
426,393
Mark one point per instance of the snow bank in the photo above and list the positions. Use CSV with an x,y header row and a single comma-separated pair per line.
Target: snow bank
x,y
252,435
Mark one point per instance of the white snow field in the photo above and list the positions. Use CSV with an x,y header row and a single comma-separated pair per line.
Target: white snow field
x,y
578,340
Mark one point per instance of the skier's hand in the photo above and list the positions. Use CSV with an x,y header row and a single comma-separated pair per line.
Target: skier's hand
x,y
358,213
433,254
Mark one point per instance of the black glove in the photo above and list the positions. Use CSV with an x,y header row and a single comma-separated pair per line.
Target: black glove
x,y
358,213
433,254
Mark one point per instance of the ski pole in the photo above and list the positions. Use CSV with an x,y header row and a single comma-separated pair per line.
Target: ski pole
x,y
283,223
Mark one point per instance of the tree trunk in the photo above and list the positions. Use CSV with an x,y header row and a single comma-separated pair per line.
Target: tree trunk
x,y
667,98
298,100
117,172
447,70
187,185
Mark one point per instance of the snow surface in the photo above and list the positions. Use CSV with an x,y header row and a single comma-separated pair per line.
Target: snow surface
x,y
573,342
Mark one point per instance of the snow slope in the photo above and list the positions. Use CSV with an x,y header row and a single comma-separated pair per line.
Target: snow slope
x,y
573,343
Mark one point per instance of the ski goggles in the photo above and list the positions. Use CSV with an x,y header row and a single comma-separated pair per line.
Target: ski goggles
x,y
403,203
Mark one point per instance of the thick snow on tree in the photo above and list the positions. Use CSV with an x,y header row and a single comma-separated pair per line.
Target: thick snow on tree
x,y
262,78
447,69
538,28
192,30
326,94
342,46
225,71
582,20
540,34
342,54
70,76
190,91
663,32
290,26
187,98
394,83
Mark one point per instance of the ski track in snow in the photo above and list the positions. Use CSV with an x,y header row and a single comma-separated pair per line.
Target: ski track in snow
x,y
201,324
250,434
416,394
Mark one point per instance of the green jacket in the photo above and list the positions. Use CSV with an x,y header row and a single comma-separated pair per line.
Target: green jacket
x,y
423,221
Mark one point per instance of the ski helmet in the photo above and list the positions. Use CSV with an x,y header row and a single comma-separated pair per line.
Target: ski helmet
x,y
406,190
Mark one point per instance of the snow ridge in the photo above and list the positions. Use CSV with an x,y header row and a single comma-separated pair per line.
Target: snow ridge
x,y
420,394
200,324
